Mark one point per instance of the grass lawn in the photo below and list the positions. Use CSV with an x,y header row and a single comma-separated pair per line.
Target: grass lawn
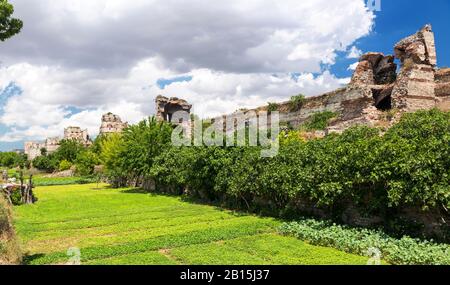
x,y
125,226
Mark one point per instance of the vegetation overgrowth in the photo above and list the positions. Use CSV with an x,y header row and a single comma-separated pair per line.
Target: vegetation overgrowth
x,y
403,251
10,252
407,167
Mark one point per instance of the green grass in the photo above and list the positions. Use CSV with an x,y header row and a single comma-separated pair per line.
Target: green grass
x,y
125,226
55,181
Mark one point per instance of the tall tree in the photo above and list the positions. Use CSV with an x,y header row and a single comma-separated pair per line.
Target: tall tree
x,y
8,26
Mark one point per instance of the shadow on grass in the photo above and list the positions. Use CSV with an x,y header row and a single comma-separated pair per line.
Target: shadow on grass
x,y
28,259
136,191
191,200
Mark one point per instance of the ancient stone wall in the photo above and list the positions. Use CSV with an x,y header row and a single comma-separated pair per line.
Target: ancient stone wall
x,y
112,124
442,88
376,87
76,133
166,107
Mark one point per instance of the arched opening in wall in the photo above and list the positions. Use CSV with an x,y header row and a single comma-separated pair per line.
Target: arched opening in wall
x,y
171,109
383,99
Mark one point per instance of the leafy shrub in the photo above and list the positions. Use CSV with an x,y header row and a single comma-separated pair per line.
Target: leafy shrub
x,y
404,251
86,162
272,107
64,165
16,198
319,121
47,163
12,159
297,102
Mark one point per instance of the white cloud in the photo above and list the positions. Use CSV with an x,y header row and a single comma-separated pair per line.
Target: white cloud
x,y
107,55
233,36
353,66
354,52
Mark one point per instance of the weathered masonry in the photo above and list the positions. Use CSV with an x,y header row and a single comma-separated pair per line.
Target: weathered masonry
x,y
166,107
376,86
112,123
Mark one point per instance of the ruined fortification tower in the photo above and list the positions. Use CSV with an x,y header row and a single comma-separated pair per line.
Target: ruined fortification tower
x,y
112,124
75,133
166,107
415,86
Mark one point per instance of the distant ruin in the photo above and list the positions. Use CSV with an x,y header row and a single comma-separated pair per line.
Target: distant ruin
x,y
77,134
50,145
112,124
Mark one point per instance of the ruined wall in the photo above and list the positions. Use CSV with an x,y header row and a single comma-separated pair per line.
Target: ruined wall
x,y
442,88
76,133
376,87
166,107
112,123
33,149
415,87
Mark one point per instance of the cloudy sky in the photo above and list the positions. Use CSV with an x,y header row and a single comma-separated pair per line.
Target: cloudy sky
x,y
77,59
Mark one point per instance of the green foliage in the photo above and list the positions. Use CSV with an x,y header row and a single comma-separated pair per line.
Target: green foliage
x,y
272,107
319,121
68,150
86,162
407,167
297,102
111,149
64,165
55,181
404,251
8,26
12,159
142,143
48,163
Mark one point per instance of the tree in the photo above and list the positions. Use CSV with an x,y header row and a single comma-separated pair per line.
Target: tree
x,y
46,163
111,148
86,162
69,150
12,159
8,26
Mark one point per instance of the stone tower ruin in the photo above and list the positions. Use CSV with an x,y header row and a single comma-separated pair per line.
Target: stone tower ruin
x,y
166,107
111,123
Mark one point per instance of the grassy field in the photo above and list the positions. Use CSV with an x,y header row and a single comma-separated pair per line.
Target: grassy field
x,y
125,226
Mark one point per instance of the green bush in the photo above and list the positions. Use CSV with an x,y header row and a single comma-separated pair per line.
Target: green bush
x,y
297,102
272,107
16,198
64,165
85,163
404,251
319,121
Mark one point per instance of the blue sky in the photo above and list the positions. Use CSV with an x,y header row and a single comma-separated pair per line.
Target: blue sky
x,y
400,18
219,66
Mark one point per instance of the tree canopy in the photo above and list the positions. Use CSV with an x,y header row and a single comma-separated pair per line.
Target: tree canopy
x,y
9,26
